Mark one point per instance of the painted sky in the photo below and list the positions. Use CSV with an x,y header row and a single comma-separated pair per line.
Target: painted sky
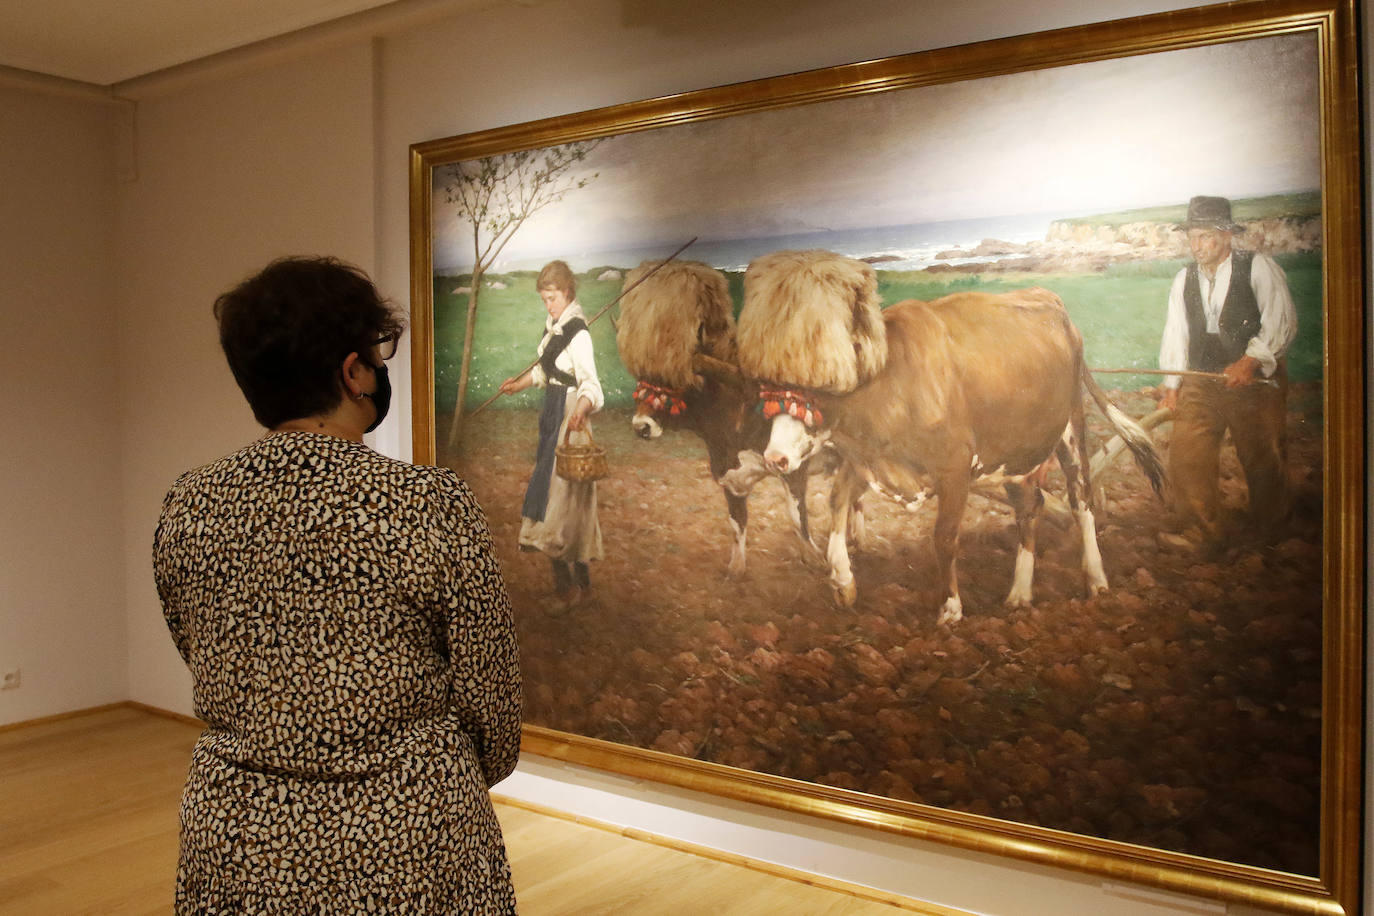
x,y
1238,119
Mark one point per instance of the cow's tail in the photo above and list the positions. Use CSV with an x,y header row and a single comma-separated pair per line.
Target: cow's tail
x,y
1132,433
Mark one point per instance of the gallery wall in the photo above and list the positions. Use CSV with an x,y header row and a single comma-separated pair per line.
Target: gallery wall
x,y
61,582
304,150
232,172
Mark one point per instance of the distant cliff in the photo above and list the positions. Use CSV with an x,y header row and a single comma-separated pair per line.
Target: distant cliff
x,y
1166,240
1078,246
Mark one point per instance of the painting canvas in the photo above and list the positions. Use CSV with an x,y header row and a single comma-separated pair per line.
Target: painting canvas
x,y
1180,717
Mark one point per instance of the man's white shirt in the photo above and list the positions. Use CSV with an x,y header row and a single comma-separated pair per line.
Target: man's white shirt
x,y
1278,315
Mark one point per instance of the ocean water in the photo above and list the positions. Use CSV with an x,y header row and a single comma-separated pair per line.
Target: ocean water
x,y
912,247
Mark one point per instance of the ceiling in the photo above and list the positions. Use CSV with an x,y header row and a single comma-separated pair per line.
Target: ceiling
x,y
109,41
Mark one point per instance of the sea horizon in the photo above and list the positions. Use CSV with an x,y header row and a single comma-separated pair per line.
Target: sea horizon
x,y
909,247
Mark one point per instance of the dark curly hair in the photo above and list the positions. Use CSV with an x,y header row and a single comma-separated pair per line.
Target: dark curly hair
x,y
286,329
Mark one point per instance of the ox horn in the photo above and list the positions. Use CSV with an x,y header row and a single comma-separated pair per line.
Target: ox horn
x,y
717,369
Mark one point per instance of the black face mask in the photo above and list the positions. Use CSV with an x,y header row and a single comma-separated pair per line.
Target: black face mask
x,y
381,398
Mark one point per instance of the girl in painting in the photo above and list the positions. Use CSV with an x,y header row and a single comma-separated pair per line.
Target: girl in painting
x,y
559,516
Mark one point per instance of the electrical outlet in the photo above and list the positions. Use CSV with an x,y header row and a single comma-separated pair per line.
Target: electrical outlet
x,y
10,679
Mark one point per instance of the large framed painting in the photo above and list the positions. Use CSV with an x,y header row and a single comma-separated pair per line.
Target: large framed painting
x,y
864,364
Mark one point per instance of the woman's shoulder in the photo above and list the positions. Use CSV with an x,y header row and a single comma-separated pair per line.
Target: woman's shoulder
x,y
423,486
438,478
447,485
214,473
315,456
447,507
322,464
574,319
423,483
576,332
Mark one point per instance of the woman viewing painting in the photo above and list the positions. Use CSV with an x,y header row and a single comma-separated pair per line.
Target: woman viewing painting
x,y
558,517
347,629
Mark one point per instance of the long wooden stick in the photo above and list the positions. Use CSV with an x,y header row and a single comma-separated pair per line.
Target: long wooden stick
x,y
1191,373
605,308
1186,373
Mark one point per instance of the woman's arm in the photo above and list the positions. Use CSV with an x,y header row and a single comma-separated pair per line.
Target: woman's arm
x,y
517,382
579,415
483,655
167,574
590,397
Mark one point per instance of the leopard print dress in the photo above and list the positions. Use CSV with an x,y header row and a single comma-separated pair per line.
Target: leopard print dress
x,y
351,649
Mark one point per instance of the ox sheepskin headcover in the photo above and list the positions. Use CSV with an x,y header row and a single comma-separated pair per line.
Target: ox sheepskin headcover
x,y
811,319
684,308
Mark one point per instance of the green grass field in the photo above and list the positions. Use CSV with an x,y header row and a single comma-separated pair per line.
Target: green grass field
x,y
1119,311
510,323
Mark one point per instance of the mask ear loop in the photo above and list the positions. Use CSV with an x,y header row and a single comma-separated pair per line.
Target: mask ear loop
x,y
343,372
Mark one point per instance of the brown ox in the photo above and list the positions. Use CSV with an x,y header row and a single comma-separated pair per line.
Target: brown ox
x,y
676,335
923,398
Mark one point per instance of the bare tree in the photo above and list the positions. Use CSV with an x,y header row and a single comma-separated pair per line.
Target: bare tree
x,y
496,195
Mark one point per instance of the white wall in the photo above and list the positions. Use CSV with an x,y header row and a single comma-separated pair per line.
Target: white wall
x,y
61,583
305,150
232,172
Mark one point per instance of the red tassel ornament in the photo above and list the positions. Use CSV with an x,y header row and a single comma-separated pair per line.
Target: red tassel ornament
x,y
659,399
792,401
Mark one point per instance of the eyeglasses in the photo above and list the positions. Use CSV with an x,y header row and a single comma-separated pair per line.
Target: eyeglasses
x,y
386,346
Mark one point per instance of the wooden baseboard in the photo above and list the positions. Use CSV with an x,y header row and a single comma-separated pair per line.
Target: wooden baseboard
x,y
778,871
107,707
164,713
61,716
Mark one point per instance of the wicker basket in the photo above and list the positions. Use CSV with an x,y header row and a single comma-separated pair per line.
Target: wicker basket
x,y
580,463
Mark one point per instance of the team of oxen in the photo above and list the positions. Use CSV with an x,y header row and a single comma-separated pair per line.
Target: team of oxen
x,y
916,400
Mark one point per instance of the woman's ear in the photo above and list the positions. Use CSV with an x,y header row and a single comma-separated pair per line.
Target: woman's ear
x,y
352,375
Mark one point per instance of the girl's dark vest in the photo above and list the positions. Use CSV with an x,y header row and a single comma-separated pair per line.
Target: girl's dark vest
x,y
558,342
550,419
1239,320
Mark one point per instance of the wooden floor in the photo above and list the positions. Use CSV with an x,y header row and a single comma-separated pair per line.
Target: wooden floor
x,y
88,825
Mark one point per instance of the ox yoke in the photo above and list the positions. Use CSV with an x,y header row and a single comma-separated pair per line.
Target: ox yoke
x,y
974,383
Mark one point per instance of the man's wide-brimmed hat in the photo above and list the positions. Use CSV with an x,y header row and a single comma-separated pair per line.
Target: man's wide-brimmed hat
x,y
1210,213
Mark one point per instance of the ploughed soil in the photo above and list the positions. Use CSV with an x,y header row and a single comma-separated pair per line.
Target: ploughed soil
x,y
1180,710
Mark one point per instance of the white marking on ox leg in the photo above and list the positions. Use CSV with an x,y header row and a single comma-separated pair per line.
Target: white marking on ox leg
x,y
1020,594
1092,555
952,611
737,552
858,528
841,575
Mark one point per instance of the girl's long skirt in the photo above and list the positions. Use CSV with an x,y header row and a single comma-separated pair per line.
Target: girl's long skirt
x,y
559,516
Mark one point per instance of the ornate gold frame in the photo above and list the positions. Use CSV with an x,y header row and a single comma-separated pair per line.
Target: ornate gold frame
x,y
1336,890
